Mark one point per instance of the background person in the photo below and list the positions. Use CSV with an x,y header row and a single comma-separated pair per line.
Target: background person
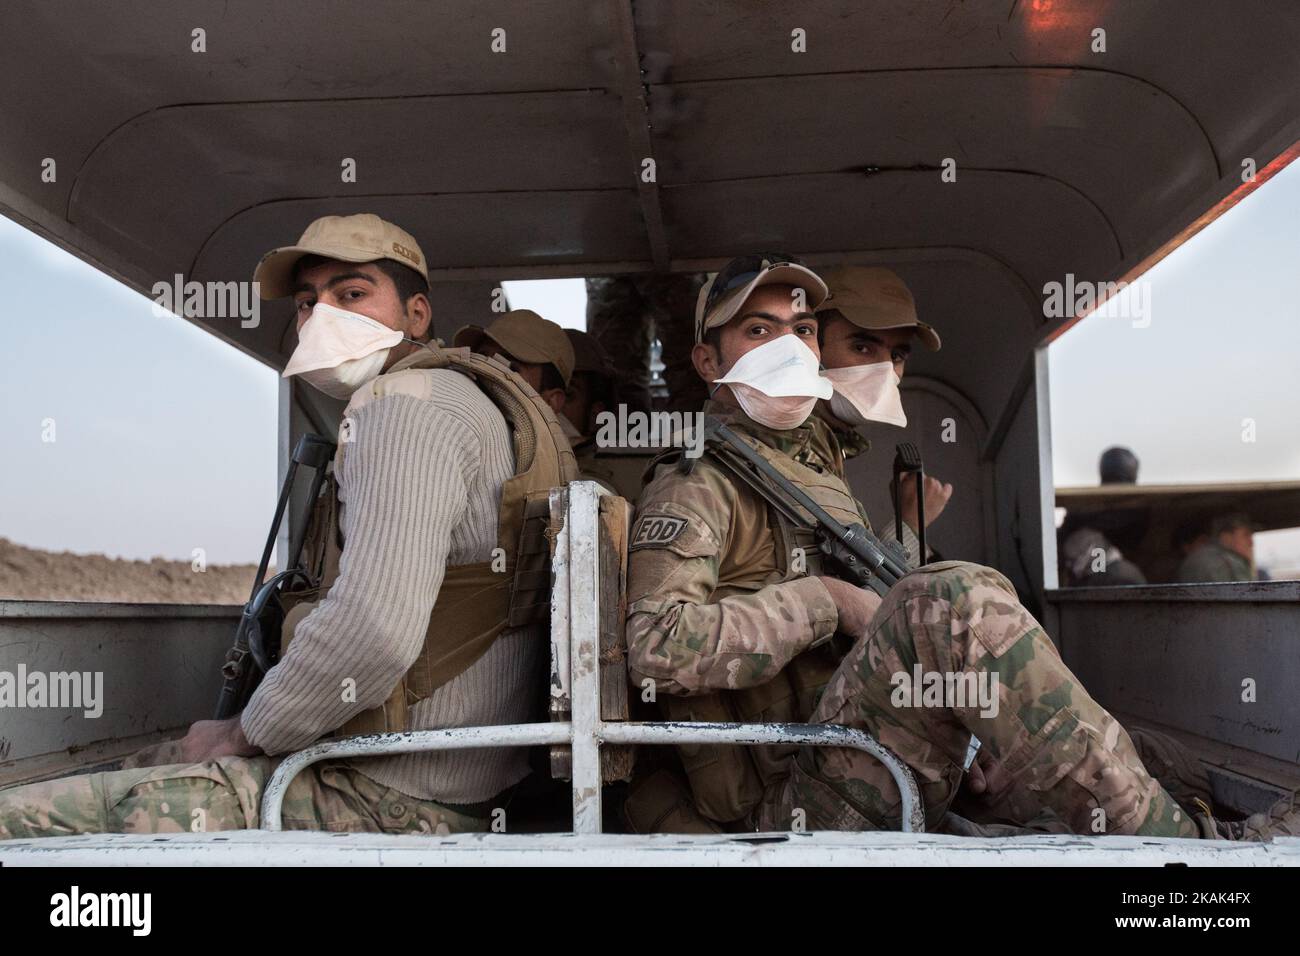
x,y
534,347
419,486
867,328
1228,555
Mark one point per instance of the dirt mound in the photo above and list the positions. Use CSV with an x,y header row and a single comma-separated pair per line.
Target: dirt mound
x,y
30,574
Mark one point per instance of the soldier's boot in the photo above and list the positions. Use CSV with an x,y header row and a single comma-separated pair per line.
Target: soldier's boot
x,y
660,802
1177,768
1281,819
1045,822
1054,742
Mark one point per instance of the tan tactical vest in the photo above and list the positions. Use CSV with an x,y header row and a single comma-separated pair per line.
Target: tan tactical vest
x,y
728,782
475,603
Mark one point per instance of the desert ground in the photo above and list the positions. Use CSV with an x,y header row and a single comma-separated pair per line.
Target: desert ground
x,y
34,575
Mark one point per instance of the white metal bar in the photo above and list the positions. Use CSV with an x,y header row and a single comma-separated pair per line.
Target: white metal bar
x,y
583,532
1046,479
813,735
560,676
575,624
413,741
526,735
877,849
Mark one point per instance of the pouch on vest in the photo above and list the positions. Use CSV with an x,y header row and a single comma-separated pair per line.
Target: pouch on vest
x,y
476,602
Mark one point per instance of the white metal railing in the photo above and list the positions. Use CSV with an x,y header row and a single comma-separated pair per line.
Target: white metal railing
x,y
575,614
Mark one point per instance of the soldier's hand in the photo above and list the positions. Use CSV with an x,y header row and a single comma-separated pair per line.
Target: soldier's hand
x,y
937,494
856,606
210,739
987,777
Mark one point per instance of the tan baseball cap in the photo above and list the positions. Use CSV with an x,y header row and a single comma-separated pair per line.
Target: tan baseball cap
x,y
589,355
872,297
360,238
526,336
747,276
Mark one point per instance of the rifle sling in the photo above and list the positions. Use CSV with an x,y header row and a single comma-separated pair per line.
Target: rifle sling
x,y
773,496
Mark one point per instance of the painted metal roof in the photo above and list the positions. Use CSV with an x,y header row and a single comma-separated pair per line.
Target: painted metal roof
x,y
528,162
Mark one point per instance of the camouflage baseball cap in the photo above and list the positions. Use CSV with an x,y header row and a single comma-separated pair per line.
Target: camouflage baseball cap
x,y
727,289
360,238
872,297
527,337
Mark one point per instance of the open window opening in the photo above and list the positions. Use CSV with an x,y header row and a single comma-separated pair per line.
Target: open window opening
x,y
1175,447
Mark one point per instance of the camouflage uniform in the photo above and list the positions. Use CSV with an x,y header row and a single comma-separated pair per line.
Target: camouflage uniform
x,y
851,442
1060,748
1174,765
222,794
722,617
712,613
625,313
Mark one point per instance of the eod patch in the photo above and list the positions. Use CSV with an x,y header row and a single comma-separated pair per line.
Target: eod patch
x,y
656,531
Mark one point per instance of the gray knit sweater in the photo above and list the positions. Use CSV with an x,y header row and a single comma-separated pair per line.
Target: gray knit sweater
x,y
420,485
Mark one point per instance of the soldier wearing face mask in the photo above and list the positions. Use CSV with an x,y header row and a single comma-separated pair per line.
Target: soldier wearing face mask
x,y
411,614
732,617
710,566
866,328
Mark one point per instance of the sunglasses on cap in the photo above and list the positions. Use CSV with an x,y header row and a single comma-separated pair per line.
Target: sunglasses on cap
x,y
741,271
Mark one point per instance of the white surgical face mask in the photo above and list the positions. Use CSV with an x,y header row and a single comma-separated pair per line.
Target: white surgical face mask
x,y
339,351
867,393
777,384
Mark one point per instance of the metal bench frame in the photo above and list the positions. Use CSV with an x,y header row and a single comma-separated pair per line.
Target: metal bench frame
x,y
575,613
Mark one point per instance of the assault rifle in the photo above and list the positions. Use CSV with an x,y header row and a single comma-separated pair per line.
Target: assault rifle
x,y
257,638
853,553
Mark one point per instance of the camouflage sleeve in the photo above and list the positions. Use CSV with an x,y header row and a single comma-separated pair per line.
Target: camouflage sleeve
x,y
679,637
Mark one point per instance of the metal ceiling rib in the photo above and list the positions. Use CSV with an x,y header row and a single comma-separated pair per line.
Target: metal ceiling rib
x,y
636,115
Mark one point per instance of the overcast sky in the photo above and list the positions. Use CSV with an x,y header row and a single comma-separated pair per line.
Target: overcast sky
x,y
1222,347
164,438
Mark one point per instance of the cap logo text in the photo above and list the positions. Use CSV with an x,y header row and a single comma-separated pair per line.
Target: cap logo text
x,y
406,253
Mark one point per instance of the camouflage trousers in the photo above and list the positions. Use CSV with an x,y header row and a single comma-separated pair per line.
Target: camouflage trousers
x,y
1062,753
222,794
